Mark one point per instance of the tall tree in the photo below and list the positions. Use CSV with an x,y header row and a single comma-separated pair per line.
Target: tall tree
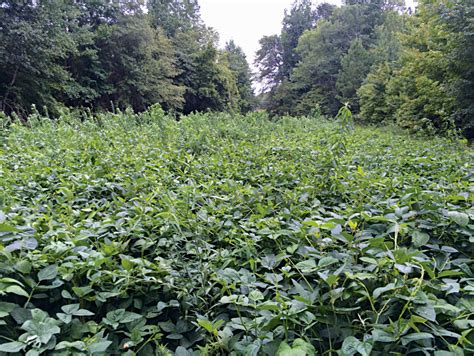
x,y
355,65
99,54
139,64
429,87
278,55
459,19
211,84
269,61
297,20
33,44
208,82
175,16
375,106
322,50
316,74
120,59
239,66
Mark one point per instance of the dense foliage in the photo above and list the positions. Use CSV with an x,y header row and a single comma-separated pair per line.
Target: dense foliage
x,y
391,65
104,55
233,235
431,85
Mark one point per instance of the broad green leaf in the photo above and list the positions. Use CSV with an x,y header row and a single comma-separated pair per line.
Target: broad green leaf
x,y
44,329
65,318
331,279
167,326
83,312
14,289
12,347
305,346
352,346
15,246
349,346
48,273
383,336
426,311
98,347
307,266
30,244
379,291
23,266
369,260
419,238
464,324
78,345
129,317
127,264
298,348
181,351
174,336
327,261
256,295
73,309
10,280
269,261
415,337
365,348
121,316
459,218
6,307
70,308
285,350
7,228
404,268
268,305
82,291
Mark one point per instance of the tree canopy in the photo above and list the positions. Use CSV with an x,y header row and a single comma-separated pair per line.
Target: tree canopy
x,y
104,55
389,64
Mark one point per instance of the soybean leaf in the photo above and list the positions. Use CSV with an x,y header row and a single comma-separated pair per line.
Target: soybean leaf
x,y
416,337
420,238
459,218
12,347
48,273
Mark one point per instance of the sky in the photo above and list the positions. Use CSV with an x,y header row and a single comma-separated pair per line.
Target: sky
x,y
246,21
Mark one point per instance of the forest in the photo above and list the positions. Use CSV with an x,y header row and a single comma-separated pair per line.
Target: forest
x,y
107,55
161,195
391,65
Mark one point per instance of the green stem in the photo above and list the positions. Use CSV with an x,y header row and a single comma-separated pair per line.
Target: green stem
x,y
31,294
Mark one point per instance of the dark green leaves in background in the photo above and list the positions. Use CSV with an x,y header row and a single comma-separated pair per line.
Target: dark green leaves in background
x,y
411,67
103,55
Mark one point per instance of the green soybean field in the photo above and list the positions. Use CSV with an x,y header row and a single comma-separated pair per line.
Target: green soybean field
x,y
221,234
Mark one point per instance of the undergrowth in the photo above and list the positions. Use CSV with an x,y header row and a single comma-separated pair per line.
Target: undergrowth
x,y
219,234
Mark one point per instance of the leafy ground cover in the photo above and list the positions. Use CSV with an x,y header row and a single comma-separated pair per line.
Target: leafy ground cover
x,y
233,235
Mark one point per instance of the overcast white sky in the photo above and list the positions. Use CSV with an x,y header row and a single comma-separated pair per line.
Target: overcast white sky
x,y
246,21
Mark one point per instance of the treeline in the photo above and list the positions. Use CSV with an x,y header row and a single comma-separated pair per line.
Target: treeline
x,y
104,55
416,70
